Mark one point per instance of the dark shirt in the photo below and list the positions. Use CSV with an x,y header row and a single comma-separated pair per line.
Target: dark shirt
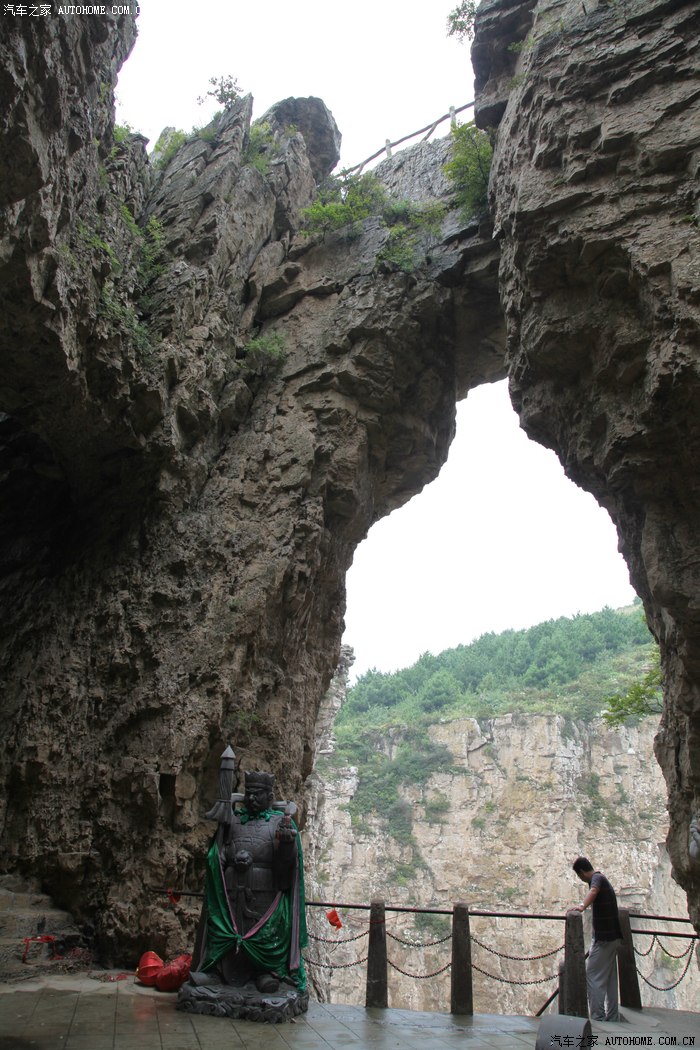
x,y
606,921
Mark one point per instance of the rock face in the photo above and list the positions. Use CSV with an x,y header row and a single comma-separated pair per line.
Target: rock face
x,y
180,500
203,413
524,796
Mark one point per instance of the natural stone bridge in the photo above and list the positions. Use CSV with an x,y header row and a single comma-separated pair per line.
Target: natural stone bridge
x,y
177,522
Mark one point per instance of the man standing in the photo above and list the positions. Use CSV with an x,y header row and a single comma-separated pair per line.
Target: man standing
x,y
601,968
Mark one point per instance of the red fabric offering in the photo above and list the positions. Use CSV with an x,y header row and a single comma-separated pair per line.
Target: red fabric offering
x,y
148,968
174,974
334,919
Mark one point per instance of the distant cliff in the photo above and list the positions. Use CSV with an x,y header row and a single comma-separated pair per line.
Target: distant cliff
x,y
525,794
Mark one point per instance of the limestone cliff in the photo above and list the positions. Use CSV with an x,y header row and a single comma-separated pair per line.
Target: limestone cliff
x,y
524,796
179,506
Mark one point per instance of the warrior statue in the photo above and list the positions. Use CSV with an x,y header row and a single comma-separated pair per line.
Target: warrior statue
x,y
247,957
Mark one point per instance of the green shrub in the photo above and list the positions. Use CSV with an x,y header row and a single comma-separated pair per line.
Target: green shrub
x,y
121,133
169,142
399,816
91,239
400,251
224,89
265,354
437,808
643,697
469,168
151,264
432,926
262,147
344,201
123,318
128,219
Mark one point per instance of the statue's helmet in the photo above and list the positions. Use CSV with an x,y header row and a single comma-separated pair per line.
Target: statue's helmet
x,y
257,779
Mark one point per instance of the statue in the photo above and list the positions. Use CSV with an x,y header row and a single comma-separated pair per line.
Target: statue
x,y
247,958
694,841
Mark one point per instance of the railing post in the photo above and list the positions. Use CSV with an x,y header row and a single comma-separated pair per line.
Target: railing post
x,y
453,117
461,992
377,994
387,146
575,1000
562,987
626,965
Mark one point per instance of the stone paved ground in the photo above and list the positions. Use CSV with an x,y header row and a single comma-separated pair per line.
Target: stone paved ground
x,y
80,1013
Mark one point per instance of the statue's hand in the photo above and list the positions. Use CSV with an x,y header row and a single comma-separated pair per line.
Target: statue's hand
x,y
694,840
286,831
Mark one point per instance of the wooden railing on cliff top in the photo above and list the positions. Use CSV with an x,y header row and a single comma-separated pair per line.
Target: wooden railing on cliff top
x,y
429,128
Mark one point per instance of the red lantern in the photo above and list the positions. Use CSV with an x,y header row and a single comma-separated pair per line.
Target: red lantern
x,y
148,968
174,974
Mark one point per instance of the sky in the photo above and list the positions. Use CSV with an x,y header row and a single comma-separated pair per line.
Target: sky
x,y
502,539
384,68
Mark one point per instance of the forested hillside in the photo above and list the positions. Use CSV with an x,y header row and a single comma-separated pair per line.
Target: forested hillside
x,y
565,666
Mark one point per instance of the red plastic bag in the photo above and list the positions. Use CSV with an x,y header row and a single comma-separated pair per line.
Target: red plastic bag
x,y
148,968
174,974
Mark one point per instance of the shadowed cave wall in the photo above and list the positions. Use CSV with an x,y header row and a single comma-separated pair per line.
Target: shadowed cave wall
x,y
177,517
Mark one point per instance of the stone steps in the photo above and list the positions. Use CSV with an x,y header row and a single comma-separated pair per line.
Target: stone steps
x,y
26,912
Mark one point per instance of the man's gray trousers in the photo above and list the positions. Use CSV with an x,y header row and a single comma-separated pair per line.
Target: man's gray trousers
x,y
601,978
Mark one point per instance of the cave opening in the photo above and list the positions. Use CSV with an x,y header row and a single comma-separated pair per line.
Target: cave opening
x,y
502,539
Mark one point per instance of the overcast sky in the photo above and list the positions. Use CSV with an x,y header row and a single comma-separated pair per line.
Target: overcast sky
x,y
502,538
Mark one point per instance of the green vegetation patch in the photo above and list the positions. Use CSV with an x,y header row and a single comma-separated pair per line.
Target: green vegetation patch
x,y
167,146
568,666
415,758
344,203
262,147
469,168
265,354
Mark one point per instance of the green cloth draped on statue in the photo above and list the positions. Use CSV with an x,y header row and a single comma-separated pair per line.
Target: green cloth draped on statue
x,y
274,942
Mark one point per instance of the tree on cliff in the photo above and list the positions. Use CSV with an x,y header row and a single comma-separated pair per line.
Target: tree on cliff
x,y
460,21
642,698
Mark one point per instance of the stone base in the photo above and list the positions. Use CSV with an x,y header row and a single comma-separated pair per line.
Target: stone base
x,y
244,1002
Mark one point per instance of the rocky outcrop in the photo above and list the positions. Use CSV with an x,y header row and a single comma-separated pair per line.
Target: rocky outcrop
x,y
215,413
203,412
596,209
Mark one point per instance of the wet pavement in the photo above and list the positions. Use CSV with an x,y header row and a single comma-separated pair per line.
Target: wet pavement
x,y
80,1013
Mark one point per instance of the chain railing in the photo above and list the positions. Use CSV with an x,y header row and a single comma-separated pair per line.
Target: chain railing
x,y
460,963
656,940
571,973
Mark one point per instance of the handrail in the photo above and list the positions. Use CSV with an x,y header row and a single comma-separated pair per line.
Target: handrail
x,y
657,918
571,988
472,912
439,911
668,933
388,146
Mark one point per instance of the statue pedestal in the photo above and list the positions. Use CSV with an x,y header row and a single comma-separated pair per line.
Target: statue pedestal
x,y
244,1001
